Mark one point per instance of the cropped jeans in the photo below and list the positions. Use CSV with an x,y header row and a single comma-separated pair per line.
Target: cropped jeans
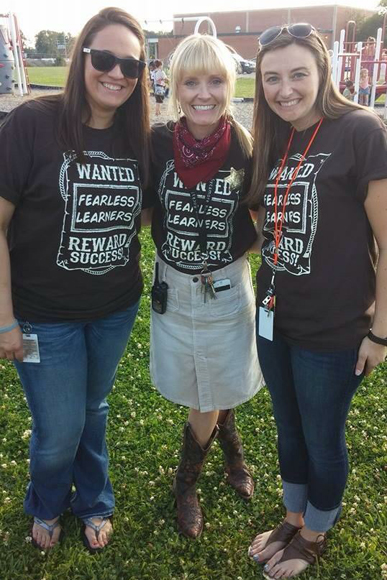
x,y
66,393
311,394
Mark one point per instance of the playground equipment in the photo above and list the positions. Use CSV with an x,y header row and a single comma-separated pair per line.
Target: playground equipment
x,y
349,57
6,62
199,19
11,44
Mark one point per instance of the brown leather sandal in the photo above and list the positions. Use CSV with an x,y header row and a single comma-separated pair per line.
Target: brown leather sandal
x,y
284,533
301,549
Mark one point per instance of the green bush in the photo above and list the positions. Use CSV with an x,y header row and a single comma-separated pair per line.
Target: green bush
x,y
60,61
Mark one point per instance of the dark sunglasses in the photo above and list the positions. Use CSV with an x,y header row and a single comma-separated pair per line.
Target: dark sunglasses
x,y
106,61
300,30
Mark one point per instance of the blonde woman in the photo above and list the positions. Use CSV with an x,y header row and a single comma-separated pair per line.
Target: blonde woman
x,y
202,345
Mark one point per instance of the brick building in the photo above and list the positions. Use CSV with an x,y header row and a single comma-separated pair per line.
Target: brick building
x,y
240,29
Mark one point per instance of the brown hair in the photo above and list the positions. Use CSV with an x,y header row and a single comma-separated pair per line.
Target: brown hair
x,y
269,127
132,117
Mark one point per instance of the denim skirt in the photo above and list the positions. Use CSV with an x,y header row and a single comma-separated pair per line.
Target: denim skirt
x,y
203,354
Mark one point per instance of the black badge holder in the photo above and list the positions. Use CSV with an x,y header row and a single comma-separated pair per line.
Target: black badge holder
x,y
159,293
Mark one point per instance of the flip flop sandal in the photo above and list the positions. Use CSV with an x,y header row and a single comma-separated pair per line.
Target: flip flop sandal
x,y
284,532
88,522
301,549
49,528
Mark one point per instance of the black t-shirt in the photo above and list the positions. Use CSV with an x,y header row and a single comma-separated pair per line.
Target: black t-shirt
x,y
74,235
325,276
229,229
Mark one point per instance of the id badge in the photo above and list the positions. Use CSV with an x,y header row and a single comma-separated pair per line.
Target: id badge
x,y
31,348
266,323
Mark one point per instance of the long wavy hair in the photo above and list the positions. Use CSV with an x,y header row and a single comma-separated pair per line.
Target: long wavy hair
x,y
203,54
131,118
269,128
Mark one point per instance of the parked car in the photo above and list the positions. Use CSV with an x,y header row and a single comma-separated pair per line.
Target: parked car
x,y
243,65
248,66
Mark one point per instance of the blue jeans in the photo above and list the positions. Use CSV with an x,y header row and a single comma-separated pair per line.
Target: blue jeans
x,y
311,394
66,394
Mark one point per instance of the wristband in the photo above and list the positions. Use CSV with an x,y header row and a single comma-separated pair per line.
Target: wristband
x,y
4,329
377,339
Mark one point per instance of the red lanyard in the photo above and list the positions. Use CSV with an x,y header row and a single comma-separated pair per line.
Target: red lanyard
x,y
278,223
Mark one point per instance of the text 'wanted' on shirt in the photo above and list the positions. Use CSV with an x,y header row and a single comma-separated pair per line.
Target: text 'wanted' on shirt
x,y
181,246
300,216
102,198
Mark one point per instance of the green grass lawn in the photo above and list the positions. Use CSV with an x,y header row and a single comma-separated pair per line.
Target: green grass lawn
x,y
144,438
245,87
48,75
56,76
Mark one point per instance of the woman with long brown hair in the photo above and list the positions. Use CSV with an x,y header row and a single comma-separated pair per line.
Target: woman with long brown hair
x,y
72,171
320,173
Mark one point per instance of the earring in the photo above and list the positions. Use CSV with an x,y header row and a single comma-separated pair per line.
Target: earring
x,y
179,109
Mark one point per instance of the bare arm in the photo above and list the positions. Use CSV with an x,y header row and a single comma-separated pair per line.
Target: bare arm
x,y
371,354
146,216
11,345
259,219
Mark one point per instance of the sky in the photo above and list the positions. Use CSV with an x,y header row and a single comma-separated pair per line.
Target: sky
x,y
71,15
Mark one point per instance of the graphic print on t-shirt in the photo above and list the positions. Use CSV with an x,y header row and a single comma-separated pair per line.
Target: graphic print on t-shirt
x,y
102,199
301,214
181,246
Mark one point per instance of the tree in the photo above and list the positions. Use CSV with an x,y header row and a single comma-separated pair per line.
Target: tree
x,y
46,43
49,43
369,26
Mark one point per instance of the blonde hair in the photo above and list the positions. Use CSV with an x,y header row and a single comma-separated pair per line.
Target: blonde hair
x,y
268,128
203,54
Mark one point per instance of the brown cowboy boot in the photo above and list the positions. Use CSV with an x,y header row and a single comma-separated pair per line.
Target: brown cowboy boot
x,y
189,513
237,473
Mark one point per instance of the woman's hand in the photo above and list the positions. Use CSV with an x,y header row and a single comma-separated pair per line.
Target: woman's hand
x,y
11,345
370,356
370,353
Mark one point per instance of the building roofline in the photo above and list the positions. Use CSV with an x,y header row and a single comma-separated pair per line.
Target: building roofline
x,y
221,34
207,12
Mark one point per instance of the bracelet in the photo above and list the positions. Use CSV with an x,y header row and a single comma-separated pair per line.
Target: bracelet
x,y
377,339
4,329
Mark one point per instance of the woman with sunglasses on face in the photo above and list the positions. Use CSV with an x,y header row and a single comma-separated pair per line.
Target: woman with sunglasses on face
x,y
321,178
72,168
203,352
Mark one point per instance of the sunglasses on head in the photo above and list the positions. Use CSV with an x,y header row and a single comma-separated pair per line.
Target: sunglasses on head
x,y
104,61
300,30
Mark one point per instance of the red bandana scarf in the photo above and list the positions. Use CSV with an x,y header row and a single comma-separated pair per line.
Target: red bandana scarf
x,y
197,161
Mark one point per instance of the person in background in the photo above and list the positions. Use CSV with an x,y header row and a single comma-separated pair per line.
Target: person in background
x,y
349,91
322,291
72,169
160,83
364,88
151,69
369,54
203,349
